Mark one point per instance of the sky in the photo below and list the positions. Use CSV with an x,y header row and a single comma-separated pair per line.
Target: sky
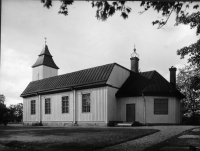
x,y
80,41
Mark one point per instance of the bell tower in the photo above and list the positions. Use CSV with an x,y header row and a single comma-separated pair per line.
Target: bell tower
x,y
44,67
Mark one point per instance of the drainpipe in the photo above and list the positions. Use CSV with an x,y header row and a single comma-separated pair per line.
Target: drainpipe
x,y
144,108
74,105
39,107
39,102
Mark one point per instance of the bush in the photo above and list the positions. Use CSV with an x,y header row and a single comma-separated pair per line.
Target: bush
x,y
192,120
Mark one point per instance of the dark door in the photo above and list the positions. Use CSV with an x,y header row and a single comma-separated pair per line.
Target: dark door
x,y
130,112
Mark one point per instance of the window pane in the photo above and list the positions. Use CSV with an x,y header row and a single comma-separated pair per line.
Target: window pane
x,y
86,102
47,106
160,106
32,106
65,104
84,108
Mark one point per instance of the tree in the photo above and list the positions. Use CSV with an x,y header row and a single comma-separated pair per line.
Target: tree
x,y
107,9
16,112
3,114
186,83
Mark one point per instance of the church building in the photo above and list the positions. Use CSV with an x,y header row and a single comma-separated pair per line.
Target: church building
x,y
100,95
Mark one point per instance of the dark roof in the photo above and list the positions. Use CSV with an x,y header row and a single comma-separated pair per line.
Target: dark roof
x,y
45,58
91,76
149,83
45,51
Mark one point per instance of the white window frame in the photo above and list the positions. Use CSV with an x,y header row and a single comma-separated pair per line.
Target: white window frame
x,y
62,104
45,105
86,103
34,107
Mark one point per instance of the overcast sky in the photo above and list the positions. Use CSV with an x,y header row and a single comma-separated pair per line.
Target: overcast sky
x,y
79,41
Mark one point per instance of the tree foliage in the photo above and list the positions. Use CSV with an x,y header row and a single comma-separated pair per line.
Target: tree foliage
x,y
193,51
11,113
106,9
3,113
16,112
188,83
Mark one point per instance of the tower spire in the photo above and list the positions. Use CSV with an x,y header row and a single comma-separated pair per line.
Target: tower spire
x,y
45,66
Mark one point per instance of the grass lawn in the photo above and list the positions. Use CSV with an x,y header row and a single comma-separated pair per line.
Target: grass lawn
x,y
67,138
178,142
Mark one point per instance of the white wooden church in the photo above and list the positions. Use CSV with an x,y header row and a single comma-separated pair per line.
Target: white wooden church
x,y
99,95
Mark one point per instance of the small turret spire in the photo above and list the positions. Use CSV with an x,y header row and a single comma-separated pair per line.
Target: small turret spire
x,y
134,54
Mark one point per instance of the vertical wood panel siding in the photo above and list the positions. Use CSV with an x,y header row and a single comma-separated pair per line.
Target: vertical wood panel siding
x,y
36,71
56,108
173,115
178,111
118,76
97,107
112,104
27,110
49,72
139,108
44,72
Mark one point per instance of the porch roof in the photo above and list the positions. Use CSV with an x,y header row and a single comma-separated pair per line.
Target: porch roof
x,y
149,83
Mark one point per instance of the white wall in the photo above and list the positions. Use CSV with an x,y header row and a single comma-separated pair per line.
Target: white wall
x,y
49,72
112,104
27,117
41,72
173,115
37,73
118,76
56,108
121,108
98,108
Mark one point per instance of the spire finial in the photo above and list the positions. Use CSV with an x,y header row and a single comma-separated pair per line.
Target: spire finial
x,y
45,40
134,54
134,49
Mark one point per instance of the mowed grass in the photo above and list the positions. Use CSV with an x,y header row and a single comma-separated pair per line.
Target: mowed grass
x,y
67,138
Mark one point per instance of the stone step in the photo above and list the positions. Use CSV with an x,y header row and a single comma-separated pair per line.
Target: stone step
x,y
124,124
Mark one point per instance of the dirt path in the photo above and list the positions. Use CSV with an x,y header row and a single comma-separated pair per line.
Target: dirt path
x,y
165,133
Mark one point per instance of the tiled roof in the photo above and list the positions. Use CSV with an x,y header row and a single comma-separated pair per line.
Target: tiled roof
x,y
149,83
96,75
45,58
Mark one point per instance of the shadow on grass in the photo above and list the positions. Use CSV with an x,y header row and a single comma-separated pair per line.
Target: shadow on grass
x,y
85,139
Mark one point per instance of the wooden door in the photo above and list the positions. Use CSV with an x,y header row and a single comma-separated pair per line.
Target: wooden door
x,y
130,112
